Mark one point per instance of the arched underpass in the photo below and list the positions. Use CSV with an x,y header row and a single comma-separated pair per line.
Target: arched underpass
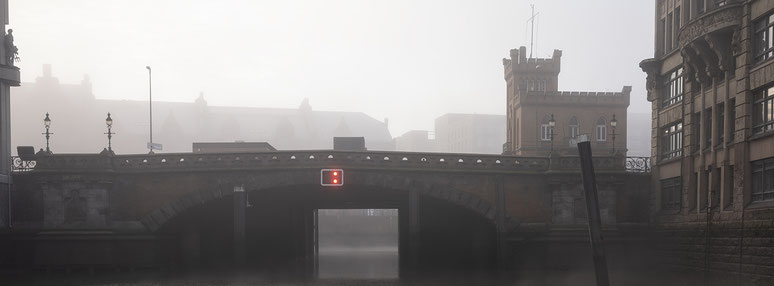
x,y
281,231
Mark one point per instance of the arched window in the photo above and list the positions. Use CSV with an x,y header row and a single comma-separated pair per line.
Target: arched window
x,y
545,129
574,127
601,129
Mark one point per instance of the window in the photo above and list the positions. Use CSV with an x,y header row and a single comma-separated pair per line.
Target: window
x,y
730,192
545,129
763,180
715,189
694,187
707,128
672,141
762,40
763,111
673,88
669,29
574,127
705,189
661,34
696,121
731,119
671,194
601,129
699,7
677,27
721,122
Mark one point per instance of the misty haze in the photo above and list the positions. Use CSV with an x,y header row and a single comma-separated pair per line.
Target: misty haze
x,y
351,142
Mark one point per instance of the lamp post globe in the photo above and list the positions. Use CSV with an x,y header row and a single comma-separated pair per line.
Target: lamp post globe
x,y
614,122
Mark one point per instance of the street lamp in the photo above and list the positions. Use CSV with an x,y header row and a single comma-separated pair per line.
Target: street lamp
x,y
47,124
613,124
551,124
109,123
150,107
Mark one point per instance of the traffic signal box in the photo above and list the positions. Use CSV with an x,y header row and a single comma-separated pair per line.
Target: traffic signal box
x,y
332,177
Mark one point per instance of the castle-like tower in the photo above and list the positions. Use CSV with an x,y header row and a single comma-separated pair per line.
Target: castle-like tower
x,y
9,76
533,101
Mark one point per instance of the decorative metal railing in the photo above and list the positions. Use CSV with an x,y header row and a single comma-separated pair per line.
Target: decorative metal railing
x,y
638,164
321,158
19,165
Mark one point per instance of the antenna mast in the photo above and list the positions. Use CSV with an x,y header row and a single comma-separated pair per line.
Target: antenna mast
x,y
532,34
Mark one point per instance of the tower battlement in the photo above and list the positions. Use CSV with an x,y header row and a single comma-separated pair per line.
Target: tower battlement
x,y
533,74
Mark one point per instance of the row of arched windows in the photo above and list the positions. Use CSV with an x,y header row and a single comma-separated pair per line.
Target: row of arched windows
x,y
600,130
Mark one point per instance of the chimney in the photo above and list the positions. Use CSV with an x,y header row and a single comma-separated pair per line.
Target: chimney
x,y
47,70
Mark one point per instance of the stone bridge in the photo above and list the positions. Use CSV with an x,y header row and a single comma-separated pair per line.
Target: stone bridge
x,y
159,210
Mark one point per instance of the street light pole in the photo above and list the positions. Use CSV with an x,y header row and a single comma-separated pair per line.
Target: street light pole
x,y
109,124
47,124
551,124
150,107
613,124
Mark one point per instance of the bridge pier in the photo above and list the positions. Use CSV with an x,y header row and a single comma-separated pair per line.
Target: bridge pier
x,y
240,203
500,224
414,231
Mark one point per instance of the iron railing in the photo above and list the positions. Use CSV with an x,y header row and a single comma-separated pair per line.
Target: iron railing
x,y
284,159
638,164
18,165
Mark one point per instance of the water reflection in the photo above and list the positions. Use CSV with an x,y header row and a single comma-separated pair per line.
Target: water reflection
x,y
358,243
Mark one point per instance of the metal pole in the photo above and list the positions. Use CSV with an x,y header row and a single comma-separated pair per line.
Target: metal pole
x,y
150,107
592,208
532,32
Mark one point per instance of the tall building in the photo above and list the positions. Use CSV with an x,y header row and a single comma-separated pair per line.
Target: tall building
x,y
9,76
75,112
534,104
415,141
711,85
469,133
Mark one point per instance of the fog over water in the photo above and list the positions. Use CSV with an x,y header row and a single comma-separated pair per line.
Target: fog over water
x,y
325,64
409,61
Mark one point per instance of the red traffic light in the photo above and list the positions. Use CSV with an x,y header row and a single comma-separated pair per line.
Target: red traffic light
x,y
332,177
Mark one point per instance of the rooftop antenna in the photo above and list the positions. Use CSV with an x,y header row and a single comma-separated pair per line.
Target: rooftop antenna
x,y
532,34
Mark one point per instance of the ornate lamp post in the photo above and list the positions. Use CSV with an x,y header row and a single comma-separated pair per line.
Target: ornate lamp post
x,y
47,124
613,124
551,124
109,123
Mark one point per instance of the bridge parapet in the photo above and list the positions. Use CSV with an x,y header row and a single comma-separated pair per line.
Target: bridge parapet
x,y
176,162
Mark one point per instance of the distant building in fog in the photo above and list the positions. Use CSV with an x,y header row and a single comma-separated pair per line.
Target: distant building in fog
x,y
457,133
416,141
231,147
533,99
470,133
78,122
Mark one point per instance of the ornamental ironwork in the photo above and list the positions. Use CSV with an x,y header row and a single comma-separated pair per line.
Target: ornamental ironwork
x,y
19,165
638,164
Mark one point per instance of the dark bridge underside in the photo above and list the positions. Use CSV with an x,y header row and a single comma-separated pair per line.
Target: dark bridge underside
x,y
280,231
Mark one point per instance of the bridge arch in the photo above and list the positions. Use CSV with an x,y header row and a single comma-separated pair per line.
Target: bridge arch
x,y
434,188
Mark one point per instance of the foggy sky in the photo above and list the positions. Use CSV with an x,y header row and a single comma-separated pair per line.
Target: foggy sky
x,y
408,60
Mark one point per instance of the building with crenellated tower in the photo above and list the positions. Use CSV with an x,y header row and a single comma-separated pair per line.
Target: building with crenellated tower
x,y
542,121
